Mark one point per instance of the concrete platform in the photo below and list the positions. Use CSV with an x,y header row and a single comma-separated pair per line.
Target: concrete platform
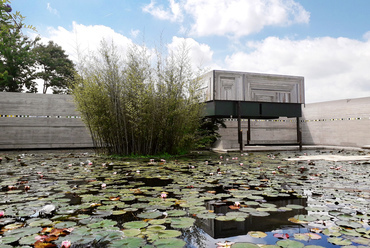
x,y
290,148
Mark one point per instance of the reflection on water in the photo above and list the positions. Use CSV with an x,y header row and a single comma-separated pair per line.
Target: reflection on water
x,y
276,220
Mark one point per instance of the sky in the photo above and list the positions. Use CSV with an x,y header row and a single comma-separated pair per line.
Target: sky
x,y
325,41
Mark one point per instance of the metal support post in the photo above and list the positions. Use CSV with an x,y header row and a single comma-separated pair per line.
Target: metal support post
x,y
299,135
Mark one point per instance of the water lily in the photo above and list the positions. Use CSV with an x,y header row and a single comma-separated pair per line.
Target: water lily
x,y
237,204
103,185
225,244
163,195
2,213
66,244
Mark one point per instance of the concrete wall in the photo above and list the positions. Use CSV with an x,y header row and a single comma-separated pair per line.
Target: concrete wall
x,y
282,131
338,123
40,121
334,123
50,121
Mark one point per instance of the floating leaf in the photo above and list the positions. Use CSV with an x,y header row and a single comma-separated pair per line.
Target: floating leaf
x,y
131,232
339,241
150,215
176,213
257,234
183,222
349,224
135,224
171,242
244,245
290,244
128,243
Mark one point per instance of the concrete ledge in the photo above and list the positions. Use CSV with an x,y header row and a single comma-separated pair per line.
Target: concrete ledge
x,y
289,148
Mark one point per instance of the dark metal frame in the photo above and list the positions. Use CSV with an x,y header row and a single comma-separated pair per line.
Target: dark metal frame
x,y
254,110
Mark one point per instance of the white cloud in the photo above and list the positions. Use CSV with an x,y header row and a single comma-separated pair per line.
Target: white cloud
x,y
51,10
134,33
231,17
200,54
367,35
173,13
334,68
84,40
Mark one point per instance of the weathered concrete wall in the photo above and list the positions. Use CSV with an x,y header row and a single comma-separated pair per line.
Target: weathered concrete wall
x,y
281,131
51,121
335,123
338,123
40,121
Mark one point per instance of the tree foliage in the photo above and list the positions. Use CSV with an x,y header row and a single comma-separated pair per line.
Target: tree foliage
x,y
208,132
16,60
133,105
55,68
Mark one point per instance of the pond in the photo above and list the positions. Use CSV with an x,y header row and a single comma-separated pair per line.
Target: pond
x,y
261,199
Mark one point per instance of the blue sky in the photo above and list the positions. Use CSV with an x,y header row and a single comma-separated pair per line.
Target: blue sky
x,y
326,41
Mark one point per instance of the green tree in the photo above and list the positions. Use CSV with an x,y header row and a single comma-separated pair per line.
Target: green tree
x,y
54,67
134,106
208,132
16,59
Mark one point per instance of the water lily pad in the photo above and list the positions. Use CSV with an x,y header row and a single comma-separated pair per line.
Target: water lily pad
x,y
176,213
135,224
244,245
131,242
170,242
102,224
349,224
131,232
290,244
157,221
339,241
150,215
8,240
65,224
41,222
257,234
183,222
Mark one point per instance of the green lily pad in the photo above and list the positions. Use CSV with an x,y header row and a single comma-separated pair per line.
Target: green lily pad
x,y
8,240
244,245
131,232
131,242
150,215
170,242
176,213
257,234
339,241
349,224
135,224
157,221
183,222
41,222
65,224
290,244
